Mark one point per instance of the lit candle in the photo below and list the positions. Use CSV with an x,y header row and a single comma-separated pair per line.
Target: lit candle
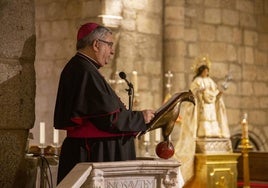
x,y
56,136
147,137
245,127
135,80
42,133
157,135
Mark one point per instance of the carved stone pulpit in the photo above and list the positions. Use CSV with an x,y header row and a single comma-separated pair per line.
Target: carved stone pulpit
x,y
156,173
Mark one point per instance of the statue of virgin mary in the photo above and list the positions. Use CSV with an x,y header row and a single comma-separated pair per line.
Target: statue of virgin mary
x,y
207,119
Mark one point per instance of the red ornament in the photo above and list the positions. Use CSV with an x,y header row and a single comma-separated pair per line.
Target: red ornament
x,y
165,150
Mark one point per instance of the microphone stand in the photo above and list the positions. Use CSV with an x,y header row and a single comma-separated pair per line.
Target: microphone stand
x,y
130,92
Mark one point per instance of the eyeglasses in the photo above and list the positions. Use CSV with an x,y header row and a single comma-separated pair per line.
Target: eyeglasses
x,y
110,44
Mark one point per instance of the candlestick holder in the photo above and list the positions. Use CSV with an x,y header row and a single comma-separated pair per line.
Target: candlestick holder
x,y
56,147
42,149
245,147
245,144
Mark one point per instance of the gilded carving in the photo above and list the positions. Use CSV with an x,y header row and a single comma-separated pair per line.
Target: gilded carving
x,y
221,183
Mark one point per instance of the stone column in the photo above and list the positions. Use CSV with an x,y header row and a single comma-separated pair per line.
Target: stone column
x,y
17,87
174,43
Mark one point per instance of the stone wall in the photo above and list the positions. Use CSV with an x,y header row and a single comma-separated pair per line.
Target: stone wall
x,y
17,87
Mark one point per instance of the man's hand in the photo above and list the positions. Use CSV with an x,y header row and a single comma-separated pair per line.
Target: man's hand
x,y
148,115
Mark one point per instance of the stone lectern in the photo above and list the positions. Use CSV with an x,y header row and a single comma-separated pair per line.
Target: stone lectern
x,y
156,173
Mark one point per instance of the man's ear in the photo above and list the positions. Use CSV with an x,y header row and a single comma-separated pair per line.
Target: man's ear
x,y
95,45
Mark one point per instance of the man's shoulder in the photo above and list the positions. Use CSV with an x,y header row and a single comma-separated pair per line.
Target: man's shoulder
x,y
78,62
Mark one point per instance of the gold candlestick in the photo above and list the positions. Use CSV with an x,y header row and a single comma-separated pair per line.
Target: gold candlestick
x,y
245,147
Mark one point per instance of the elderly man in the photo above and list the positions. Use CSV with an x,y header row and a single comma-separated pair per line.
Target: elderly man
x,y
99,127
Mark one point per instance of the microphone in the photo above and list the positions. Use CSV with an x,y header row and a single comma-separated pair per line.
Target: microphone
x,y
124,77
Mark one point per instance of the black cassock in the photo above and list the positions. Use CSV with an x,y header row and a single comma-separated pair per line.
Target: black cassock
x,y
99,127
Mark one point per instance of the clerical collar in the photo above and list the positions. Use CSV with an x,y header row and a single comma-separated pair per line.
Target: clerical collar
x,y
89,59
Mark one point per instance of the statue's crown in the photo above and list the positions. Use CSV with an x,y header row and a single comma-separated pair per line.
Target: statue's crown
x,y
199,61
